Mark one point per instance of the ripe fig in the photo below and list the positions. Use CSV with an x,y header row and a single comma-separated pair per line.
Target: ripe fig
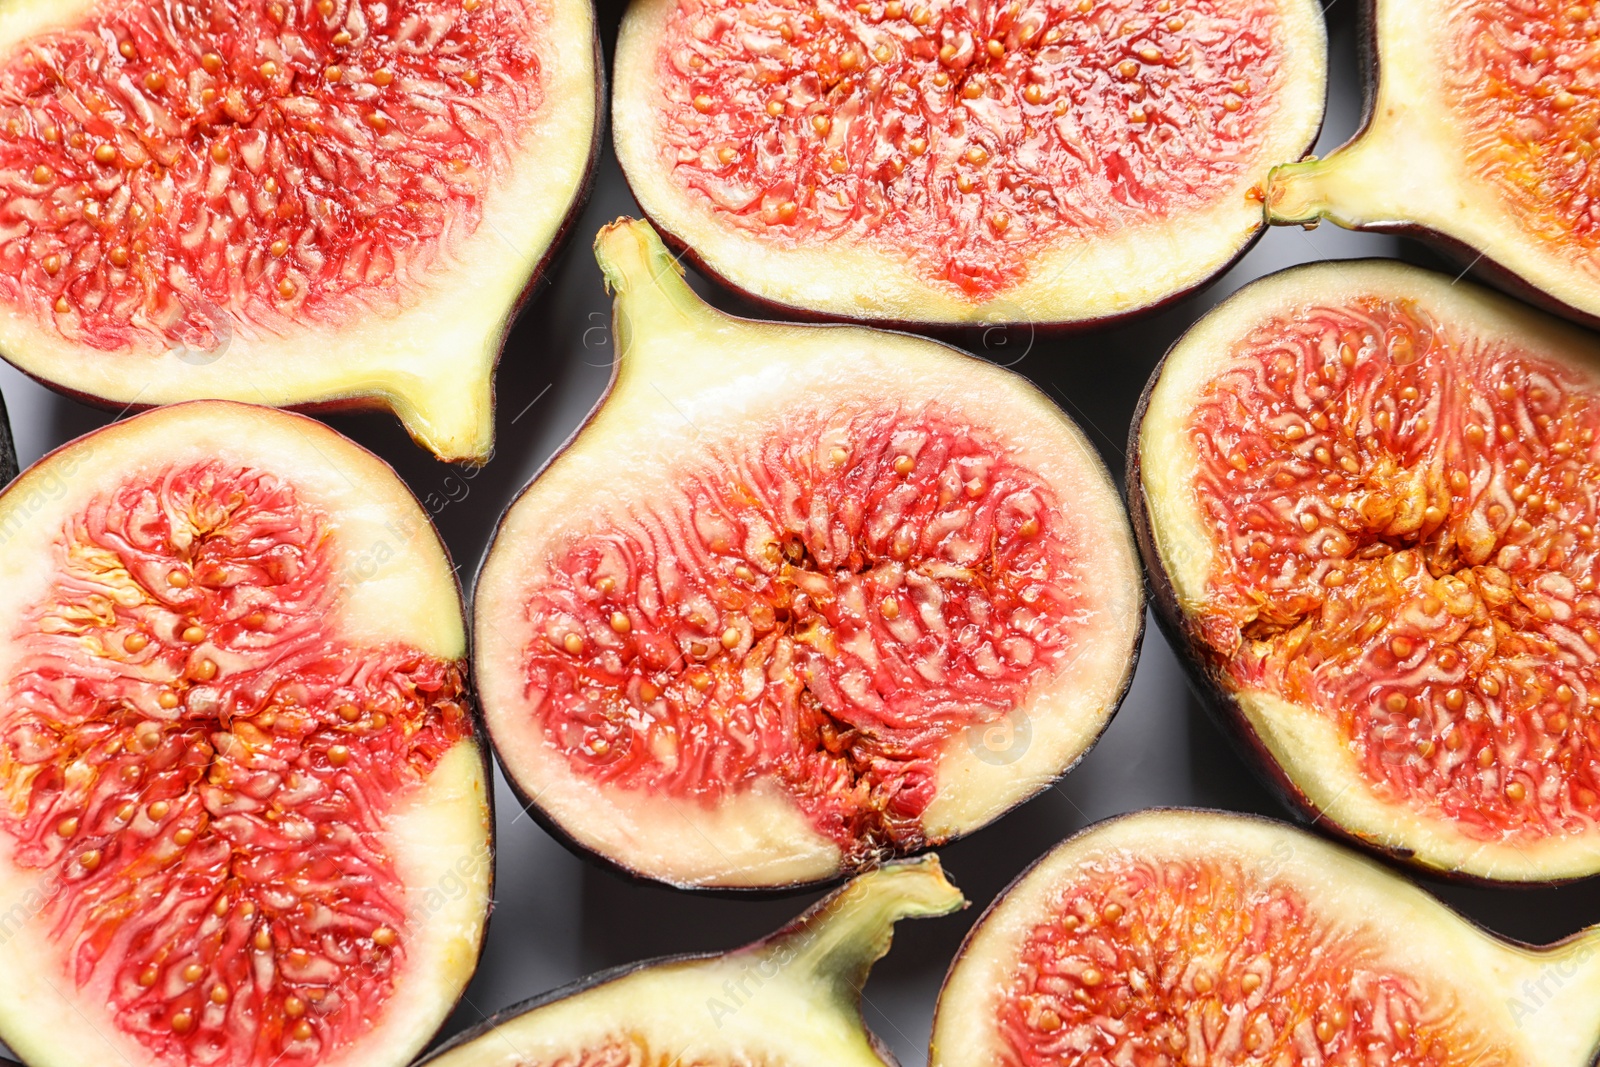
x,y
1365,495
925,161
789,1000
246,818
798,598
307,203
1188,937
1478,133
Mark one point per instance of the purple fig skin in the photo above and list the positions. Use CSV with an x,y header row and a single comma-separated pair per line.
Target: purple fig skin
x,y
469,698
616,867
1208,678
530,288
8,458
1470,261
616,974
779,309
972,931
571,989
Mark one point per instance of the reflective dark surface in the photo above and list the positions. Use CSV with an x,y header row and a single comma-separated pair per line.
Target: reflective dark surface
x,y
558,917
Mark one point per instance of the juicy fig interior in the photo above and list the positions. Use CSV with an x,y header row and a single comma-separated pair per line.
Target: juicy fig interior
x,y
1482,133
1199,938
805,599
790,1000
1532,136
217,776
1392,528
825,610
189,185
950,156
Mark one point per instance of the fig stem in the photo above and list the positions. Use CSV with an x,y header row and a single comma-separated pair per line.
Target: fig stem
x,y
1340,188
9,468
647,280
836,942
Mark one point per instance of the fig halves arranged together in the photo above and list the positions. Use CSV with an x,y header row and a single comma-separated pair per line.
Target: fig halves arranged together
x,y
789,1000
797,598
246,818
1480,134
1186,937
924,161
337,203
1365,495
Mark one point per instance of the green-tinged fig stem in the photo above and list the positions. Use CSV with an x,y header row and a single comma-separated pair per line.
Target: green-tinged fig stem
x,y
1337,188
647,280
838,940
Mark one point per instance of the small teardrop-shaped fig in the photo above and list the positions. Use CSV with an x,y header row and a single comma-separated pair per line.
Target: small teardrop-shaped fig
x,y
305,203
246,817
1208,939
1479,132
1059,163
1365,496
789,1000
796,598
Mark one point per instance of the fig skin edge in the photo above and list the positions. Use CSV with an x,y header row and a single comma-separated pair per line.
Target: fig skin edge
x,y
8,456
1209,684
1203,676
1363,855
529,802
480,733
1469,260
948,329
403,395
839,971
942,331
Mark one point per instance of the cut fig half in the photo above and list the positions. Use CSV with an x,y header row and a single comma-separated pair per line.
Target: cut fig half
x,y
1366,499
303,203
1480,134
1188,937
789,1000
1054,162
798,598
246,819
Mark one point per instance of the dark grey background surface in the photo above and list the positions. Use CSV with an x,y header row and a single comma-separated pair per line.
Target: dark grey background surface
x,y
557,917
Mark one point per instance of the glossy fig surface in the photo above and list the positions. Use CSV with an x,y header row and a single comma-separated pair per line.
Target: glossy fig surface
x,y
246,818
1479,136
1187,937
329,204
796,598
789,1000
1365,495
927,162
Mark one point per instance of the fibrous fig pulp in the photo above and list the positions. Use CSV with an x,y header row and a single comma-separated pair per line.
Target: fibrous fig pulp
x,y
1182,937
245,818
798,597
1368,507
1480,134
924,161
789,1000
290,202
